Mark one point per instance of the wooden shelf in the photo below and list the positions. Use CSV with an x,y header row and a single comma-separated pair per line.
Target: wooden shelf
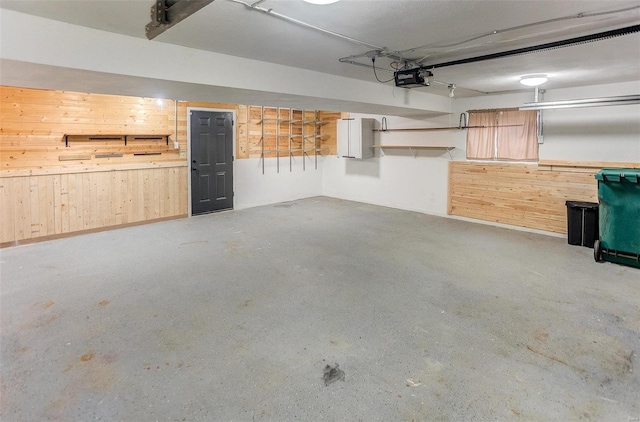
x,y
559,164
414,148
114,138
430,129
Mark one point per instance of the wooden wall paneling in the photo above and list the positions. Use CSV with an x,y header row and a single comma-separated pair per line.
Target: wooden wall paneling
x,y
517,194
150,195
184,190
116,196
96,187
103,196
7,215
242,141
127,194
143,196
179,195
70,224
112,197
154,195
172,192
34,122
22,210
449,188
158,192
87,202
328,131
76,198
165,198
57,204
62,204
34,209
254,132
147,193
136,192
50,202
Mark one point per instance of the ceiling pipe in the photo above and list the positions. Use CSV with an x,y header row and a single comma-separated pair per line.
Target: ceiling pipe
x,y
519,27
256,6
587,102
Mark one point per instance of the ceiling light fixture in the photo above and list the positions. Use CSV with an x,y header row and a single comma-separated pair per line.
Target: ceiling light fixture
x,y
321,2
533,80
452,87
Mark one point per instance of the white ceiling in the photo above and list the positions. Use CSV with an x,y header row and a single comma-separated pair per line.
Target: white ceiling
x,y
231,28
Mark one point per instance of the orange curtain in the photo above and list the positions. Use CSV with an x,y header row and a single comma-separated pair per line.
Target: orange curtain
x,y
517,135
481,142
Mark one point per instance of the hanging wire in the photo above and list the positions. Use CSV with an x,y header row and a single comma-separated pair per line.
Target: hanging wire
x,y
373,61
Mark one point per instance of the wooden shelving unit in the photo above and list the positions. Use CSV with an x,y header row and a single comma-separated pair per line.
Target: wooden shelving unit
x,y
297,132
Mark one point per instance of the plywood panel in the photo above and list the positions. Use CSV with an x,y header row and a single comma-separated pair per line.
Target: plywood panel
x,y
38,206
33,124
517,194
7,216
62,204
22,207
47,190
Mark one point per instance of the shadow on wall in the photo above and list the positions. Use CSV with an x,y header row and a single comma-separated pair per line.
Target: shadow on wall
x,y
369,167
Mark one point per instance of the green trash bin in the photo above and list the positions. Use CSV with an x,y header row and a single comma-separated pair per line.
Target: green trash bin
x,y
619,217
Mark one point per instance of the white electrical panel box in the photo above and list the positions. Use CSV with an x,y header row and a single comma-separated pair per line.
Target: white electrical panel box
x,y
355,138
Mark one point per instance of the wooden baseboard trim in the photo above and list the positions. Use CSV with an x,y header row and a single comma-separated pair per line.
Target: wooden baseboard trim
x,y
80,232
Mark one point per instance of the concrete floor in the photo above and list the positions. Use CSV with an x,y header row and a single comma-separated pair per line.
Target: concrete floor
x,y
234,316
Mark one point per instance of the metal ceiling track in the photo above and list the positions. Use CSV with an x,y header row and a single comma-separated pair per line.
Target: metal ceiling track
x,y
587,102
542,47
167,13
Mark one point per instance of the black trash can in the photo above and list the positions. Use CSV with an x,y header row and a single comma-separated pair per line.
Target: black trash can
x,y
582,223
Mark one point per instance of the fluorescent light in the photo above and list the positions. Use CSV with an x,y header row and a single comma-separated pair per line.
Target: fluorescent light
x,y
321,1
533,80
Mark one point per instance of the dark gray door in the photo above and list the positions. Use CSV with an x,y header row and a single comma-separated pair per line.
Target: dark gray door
x,y
211,161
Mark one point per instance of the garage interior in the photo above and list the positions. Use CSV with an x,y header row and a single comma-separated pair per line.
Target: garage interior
x,y
423,281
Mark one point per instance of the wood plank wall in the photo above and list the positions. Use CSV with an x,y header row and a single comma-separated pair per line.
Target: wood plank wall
x,y
251,124
48,188
518,194
249,127
55,204
33,124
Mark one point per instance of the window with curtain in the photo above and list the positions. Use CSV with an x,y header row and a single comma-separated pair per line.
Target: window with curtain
x,y
503,135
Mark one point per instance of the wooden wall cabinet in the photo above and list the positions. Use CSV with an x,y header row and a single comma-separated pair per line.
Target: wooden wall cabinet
x,y
355,138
